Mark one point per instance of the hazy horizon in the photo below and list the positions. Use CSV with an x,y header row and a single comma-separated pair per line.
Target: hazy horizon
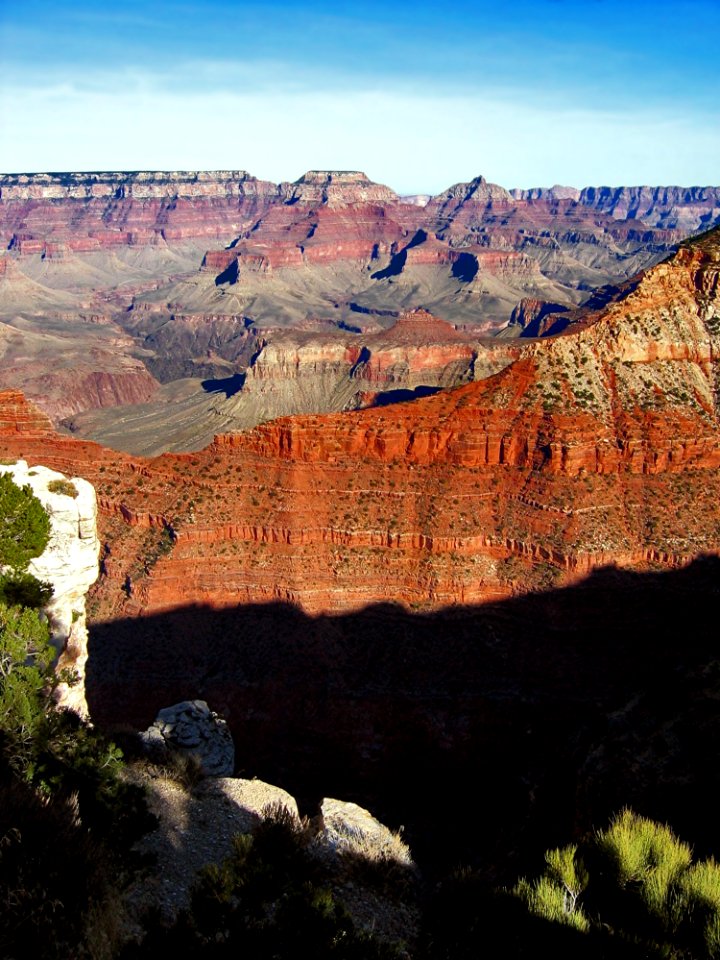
x,y
294,179
601,92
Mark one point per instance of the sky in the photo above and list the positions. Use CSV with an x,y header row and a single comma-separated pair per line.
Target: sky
x,y
417,95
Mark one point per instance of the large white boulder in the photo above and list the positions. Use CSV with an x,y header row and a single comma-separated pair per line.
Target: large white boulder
x,y
69,564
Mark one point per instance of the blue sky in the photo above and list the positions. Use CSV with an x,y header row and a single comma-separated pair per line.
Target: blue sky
x,y
418,95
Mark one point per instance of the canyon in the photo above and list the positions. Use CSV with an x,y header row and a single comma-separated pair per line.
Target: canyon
x,y
150,311
598,445
493,575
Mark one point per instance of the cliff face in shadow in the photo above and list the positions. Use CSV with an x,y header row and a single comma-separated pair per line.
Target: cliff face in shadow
x,y
563,705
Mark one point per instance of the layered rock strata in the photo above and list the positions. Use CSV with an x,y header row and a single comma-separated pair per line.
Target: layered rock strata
x,y
91,211
685,208
598,446
127,279
306,372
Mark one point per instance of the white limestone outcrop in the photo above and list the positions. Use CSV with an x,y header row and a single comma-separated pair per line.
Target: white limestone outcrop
x,y
69,564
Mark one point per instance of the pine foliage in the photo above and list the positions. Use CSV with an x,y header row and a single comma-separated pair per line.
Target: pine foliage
x,y
633,884
24,525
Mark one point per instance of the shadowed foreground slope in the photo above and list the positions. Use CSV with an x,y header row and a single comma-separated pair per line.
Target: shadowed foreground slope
x,y
568,704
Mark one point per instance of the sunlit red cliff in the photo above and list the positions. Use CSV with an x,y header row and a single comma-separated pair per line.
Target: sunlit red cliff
x,y
597,446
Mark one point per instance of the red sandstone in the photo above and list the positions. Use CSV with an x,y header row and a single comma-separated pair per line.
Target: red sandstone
x,y
425,503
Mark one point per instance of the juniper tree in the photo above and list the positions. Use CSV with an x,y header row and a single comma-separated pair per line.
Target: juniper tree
x,y
24,524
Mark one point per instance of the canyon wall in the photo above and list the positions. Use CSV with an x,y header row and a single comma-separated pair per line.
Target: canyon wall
x,y
111,283
686,208
601,445
316,579
91,211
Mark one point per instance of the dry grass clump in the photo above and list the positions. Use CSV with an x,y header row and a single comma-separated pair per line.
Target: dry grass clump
x,y
64,487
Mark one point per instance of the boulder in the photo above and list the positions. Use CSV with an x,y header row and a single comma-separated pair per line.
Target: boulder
x,y
350,829
192,729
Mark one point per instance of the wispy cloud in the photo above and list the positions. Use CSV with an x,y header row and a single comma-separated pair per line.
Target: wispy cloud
x,y
413,141
419,94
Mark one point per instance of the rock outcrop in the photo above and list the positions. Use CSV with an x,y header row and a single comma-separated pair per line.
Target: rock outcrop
x,y
529,315
196,826
350,829
69,564
191,730
309,373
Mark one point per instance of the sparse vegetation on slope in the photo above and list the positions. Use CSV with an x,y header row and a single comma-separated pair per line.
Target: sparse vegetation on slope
x,y
270,895
629,891
634,885
66,816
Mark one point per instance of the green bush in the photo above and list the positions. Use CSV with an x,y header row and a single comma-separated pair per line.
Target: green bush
x,y
25,527
641,862
633,884
555,894
25,662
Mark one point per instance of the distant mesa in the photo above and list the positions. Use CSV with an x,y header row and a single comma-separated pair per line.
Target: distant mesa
x,y
132,288
337,188
334,176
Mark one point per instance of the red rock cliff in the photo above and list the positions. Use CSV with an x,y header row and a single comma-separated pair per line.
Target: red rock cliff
x,y
598,446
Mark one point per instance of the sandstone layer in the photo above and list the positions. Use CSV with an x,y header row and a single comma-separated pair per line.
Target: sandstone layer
x,y
597,446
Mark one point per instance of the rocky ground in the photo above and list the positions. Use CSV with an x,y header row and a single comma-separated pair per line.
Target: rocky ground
x,y
196,825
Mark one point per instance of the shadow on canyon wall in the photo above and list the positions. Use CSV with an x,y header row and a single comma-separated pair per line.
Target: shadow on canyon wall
x,y
227,385
489,732
388,397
